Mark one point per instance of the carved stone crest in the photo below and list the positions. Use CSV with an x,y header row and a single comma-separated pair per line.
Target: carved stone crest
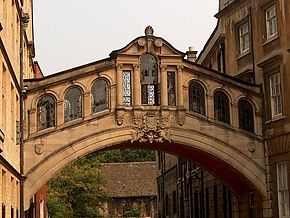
x,y
149,31
181,117
251,147
39,149
149,128
120,117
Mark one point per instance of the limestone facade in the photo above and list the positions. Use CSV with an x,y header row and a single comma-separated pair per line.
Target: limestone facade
x,y
13,14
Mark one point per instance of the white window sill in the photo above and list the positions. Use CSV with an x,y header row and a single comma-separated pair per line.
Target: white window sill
x,y
270,39
243,54
275,118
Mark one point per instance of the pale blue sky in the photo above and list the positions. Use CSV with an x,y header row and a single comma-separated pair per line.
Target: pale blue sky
x,y
69,33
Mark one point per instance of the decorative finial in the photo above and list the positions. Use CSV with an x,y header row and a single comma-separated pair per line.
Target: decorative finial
x,y
149,31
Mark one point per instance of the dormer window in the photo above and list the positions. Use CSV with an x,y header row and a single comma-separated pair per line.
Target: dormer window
x,y
149,80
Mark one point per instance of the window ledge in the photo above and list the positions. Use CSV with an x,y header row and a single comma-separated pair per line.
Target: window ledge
x,y
271,39
98,114
243,54
275,118
72,122
43,131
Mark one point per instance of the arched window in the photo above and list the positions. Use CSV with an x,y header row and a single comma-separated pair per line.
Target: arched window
x,y
72,104
196,98
45,112
221,107
149,79
246,115
100,95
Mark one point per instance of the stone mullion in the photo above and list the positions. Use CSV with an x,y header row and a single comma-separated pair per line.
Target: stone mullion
x,y
32,120
87,104
180,86
210,106
235,115
136,85
163,81
60,113
119,93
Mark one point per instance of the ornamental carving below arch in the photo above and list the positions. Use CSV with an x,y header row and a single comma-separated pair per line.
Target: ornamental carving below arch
x,y
150,127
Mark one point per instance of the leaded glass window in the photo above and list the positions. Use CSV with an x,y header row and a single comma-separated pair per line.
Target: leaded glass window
x,y
221,107
149,80
45,112
127,99
246,116
73,104
196,98
100,95
171,88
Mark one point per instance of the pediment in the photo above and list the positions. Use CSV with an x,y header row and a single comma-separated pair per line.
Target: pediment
x,y
148,44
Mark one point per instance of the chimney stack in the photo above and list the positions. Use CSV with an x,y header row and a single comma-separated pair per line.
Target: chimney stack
x,y
191,54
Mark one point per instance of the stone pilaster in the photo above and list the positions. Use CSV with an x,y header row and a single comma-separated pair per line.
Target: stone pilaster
x,y
60,113
119,94
87,104
180,86
136,85
163,81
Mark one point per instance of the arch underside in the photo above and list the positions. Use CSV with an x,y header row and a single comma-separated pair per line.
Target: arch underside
x,y
236,170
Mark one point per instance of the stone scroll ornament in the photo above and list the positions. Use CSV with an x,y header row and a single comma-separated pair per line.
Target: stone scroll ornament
x,y
149,128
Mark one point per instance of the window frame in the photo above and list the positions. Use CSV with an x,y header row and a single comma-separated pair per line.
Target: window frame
x,y
248,126
82,103
284,189
275,96
150,90
129,88
268,29
201,103
42,127
227,109
107,95
242,36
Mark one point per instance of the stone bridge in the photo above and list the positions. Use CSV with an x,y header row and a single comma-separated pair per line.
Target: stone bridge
x,y
147,95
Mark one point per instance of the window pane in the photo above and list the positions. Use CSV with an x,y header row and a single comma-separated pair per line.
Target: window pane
x,y
244,37
275,94
100,95
171,88
127,88
45,112
246,116
73,104
196,98
221,107
271,21
283,190
149,79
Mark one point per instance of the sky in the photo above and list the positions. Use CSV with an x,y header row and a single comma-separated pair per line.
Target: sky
x,y
70,33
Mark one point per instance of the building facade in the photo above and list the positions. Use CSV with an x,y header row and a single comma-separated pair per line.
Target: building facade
x,y
251,42
16,53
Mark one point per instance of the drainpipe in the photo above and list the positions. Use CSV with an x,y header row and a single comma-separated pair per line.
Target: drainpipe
x,y
23,24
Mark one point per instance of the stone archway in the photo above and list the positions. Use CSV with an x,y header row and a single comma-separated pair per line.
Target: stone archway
x,y
241,173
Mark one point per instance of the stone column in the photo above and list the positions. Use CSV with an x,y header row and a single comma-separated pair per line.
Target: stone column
x,y
136,85
119,81
163,83
87,104
210,106
179,86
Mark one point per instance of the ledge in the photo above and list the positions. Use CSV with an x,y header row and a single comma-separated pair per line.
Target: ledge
x,y
271,39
